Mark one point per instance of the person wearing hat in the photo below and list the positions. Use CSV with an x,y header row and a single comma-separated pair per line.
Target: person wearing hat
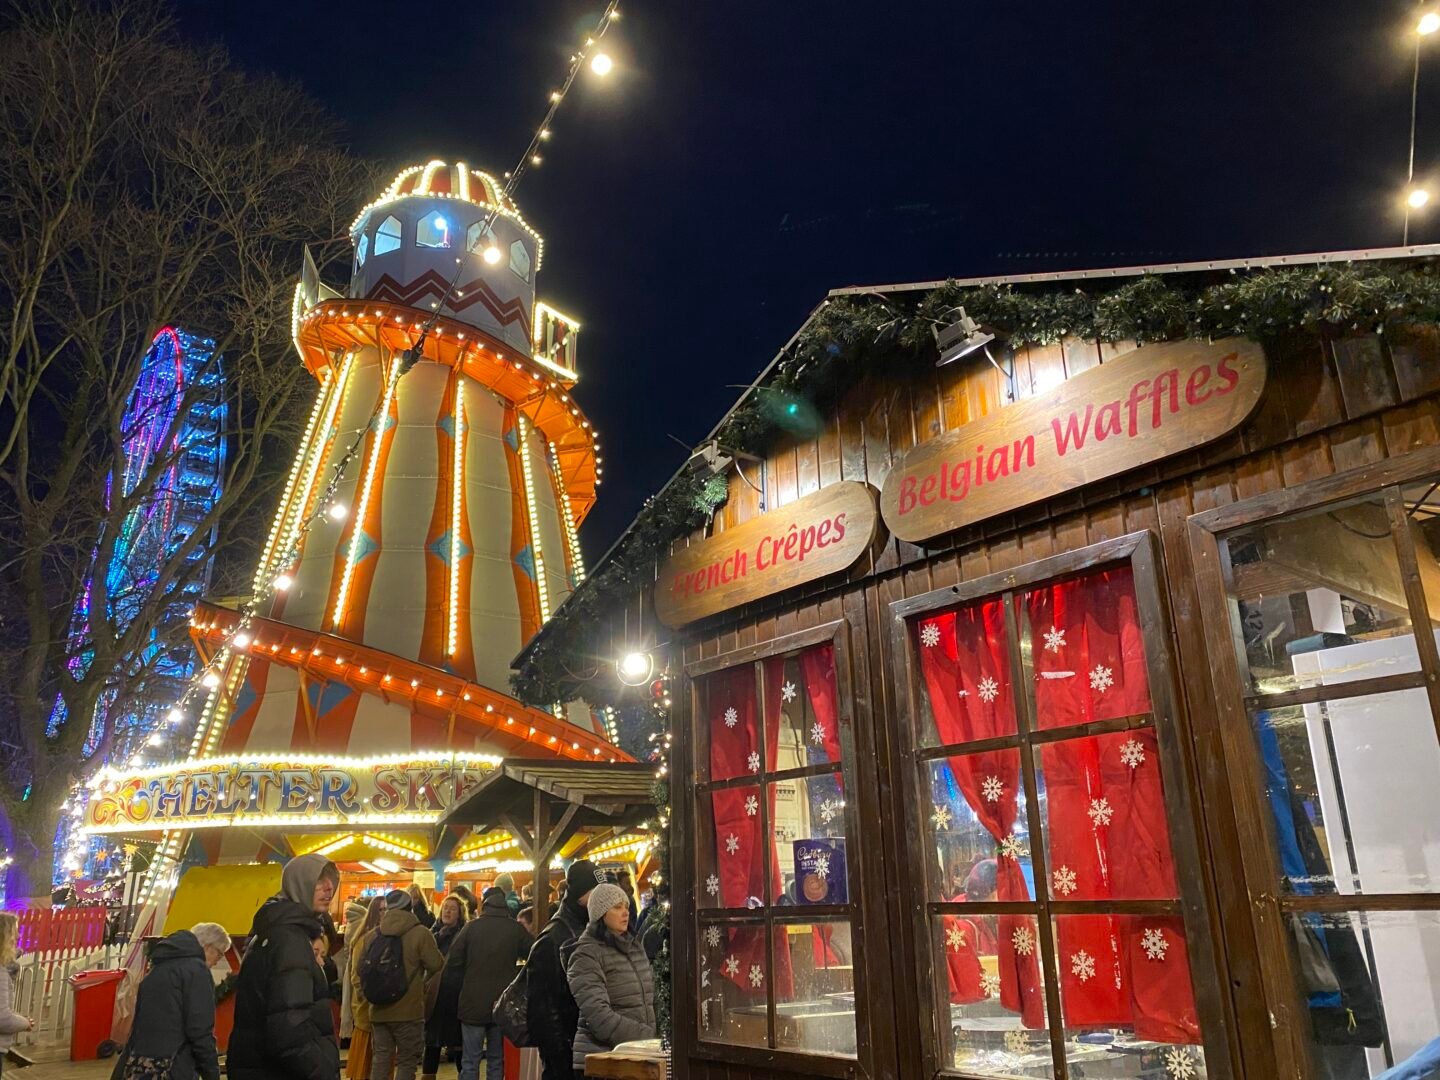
x,y
550,1008
283,1023
481,964
610,977
398,1028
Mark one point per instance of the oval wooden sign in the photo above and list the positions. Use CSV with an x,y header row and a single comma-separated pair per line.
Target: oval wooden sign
x,y
810,538
1138,408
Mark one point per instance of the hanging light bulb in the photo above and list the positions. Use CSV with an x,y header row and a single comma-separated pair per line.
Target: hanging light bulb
x,y
175,715
210,681
1417,198
492,255
601,64
1428,24
242,641
283,582
337,512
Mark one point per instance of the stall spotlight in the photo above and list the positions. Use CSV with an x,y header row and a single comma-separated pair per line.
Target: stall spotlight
x,y
1417,198
635,667
601,64
960,338
1428,24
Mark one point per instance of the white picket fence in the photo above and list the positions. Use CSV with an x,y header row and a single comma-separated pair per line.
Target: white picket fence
x,y
56,944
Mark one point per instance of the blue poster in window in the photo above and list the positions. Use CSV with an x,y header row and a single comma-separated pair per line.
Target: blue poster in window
x,y
820,871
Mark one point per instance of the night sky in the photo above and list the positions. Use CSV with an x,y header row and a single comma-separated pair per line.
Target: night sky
x,y
746,157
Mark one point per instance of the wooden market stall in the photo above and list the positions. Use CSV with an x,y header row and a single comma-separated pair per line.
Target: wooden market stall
x,y
1058,710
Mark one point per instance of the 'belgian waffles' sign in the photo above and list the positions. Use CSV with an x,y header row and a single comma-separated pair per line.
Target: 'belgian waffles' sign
x,y
1138,408
808,539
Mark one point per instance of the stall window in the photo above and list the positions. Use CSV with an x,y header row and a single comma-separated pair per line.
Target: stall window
x,y
1331,697
1052,906
775,964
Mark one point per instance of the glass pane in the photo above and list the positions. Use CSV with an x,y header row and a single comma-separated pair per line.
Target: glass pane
x,y
387,236
976,826
967,693
991,995
519,260
808,818
1353,788
1129,1010
728,725
1084,650
815,1009
478,240
802,701
729,857
1369,983
1317,598
1103,809
733,976
433,231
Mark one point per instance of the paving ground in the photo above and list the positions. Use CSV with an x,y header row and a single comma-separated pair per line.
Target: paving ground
x,y
100,1070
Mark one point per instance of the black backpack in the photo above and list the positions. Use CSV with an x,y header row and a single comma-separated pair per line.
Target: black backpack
x,y
382,970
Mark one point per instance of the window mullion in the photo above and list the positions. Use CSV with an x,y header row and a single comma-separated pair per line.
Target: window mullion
x,y
1415,598
767,840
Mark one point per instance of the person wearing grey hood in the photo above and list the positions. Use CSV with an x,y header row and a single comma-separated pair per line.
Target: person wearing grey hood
x,y
283,1022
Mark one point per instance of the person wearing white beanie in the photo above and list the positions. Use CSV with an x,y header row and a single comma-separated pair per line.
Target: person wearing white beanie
x,y
610,977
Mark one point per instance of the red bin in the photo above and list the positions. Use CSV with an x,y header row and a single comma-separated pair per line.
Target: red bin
x,y
94,1011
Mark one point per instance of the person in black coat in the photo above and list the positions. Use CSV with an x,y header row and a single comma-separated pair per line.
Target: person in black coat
x,y
483,962
174,1024
284,1029
442,1021
550,1007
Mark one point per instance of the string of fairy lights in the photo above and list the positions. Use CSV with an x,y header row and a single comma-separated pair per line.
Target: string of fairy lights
x,y
274,575
1417,196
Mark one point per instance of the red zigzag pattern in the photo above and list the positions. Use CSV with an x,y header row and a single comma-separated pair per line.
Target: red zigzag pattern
x,y
431,283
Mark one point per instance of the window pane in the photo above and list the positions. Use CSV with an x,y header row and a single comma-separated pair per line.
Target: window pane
x,y
991,995
1368,981
734,980
808,818
1084,649
976,827
1103,808
728,724
520,260
1353,788
433,231
362,249
967,693
815,1013
802,700
477,238
1125,992
1318,598
729,856
387,236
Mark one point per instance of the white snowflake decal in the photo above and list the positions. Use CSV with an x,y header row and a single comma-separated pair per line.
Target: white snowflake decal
x,y
1082,966
941,817
1154,943
1054,639
1023,940
992,789
1012,848
1100,812
753,761
712,936
930,635
732,966
1016,1041
988,689
787,692
1179,1063
1064,879
704,978
817,733
990,984
829,810
756,976
731,717
955,938
821,866
732,844
1101,679
752,806
712,885
1132,753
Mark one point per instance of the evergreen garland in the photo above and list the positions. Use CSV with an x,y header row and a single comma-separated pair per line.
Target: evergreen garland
x,y
851,337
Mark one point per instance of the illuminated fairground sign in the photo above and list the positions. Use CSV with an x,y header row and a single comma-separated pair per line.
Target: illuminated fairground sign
x,y
294,791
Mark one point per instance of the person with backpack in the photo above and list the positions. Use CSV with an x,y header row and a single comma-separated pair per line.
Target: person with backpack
x,y
395,959
482,961
551,1012
284,1029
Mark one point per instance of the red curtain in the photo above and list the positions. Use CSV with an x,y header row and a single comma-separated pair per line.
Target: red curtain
x,y
817,667
964,659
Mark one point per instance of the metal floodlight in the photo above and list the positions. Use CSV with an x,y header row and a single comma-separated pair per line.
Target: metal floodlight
x,y
960,338
635,667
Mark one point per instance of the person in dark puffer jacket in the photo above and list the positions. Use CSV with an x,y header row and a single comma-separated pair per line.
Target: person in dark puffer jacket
x,y
610,977
550,1008
175,1006
283,1023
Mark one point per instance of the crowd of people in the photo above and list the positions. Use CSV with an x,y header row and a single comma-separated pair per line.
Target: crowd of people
x,y
398,987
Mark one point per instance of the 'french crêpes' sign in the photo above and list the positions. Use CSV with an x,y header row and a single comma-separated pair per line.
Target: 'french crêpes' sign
x,y
293,792
808,539
1138,408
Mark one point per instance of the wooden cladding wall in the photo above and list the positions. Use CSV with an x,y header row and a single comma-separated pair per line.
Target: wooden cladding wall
x,y
1330,405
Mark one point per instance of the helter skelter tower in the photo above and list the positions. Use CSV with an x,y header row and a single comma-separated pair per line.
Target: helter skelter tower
x,y
399,620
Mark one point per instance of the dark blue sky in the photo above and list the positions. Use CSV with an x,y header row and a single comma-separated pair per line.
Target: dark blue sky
x,y
746,156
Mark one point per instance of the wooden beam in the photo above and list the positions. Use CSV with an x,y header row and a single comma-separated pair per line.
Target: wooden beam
x,y
592,842
522,837
563,830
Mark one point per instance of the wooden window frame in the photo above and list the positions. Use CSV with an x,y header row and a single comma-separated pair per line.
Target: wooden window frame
x,y
686,1018
1140,551
1290,1023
